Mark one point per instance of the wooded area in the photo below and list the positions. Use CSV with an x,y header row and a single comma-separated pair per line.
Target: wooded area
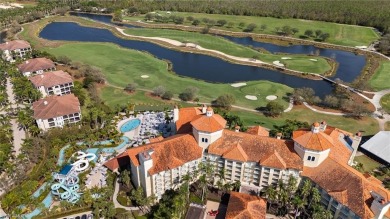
x,y
360,12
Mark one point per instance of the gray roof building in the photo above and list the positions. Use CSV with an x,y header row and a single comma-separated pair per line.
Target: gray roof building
x,y
379,146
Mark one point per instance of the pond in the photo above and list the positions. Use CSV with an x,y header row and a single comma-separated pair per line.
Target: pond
x,y
197,66
350,65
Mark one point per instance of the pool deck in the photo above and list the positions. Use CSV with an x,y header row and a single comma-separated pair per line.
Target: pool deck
x,y
135,132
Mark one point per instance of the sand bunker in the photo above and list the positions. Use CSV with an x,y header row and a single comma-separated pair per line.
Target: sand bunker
x,y
271,97
238,84
314,60
277,63
286,58
144,76
250,97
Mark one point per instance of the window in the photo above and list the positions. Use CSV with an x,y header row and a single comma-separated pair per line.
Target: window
x,y
311,158
205,140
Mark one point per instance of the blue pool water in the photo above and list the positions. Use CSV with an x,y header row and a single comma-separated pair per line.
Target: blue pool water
x,y
130,125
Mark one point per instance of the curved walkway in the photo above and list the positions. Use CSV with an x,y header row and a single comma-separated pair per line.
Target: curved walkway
x,y
290,105
116,203
323,112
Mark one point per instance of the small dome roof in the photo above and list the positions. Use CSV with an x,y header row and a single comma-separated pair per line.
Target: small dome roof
x,y
209,109
316,124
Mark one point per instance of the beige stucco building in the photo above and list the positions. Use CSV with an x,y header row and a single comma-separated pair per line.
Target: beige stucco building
x,y
320,153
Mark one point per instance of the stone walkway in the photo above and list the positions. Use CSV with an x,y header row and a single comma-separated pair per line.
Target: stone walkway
x,y
116,203
18,133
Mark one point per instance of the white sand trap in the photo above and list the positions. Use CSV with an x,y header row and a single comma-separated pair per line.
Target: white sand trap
x,y
286,58
238,84
144,76
361,47
250,97
314,60
271,97
277,63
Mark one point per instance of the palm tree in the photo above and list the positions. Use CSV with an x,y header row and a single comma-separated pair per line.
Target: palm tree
x,y
187,178
270,195
298,203
236,185
203,184
315,196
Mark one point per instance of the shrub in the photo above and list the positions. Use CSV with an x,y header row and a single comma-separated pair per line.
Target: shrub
x,y
188,94
221,23
196,22
274,109
130,87
159,91
250,27
205,30
167,95
64,60
225,101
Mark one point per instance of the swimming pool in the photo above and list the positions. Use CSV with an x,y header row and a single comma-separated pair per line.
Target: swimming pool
x,y
130,125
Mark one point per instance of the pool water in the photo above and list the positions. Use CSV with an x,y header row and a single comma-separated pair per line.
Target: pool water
x,y
130,125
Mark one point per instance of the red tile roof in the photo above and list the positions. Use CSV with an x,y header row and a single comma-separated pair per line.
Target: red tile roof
x,y
121,160
313,141
258,130
209,123
170,153
257,149
186,115
273,160
36,64
55,106
244,206
51,79
236,153
345,184
14,45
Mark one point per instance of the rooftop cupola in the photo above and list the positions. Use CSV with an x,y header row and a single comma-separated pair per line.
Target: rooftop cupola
x,y
209,112
204,108
323,126
315,128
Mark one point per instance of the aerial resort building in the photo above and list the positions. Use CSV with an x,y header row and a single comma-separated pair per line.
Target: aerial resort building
x,y
15,49
36,66
56,111
52,83
321,154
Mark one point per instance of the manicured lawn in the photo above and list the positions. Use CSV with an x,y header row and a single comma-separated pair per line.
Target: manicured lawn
x,y
367,124
385,103
387,126
124,66
339,34
380,80
298,62
368,163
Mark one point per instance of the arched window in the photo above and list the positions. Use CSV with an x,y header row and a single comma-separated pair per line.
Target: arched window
x,y
309,158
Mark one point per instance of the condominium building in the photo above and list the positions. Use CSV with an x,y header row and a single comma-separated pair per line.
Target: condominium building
x,y
14,49
320,153
36,66
56,111
53,83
